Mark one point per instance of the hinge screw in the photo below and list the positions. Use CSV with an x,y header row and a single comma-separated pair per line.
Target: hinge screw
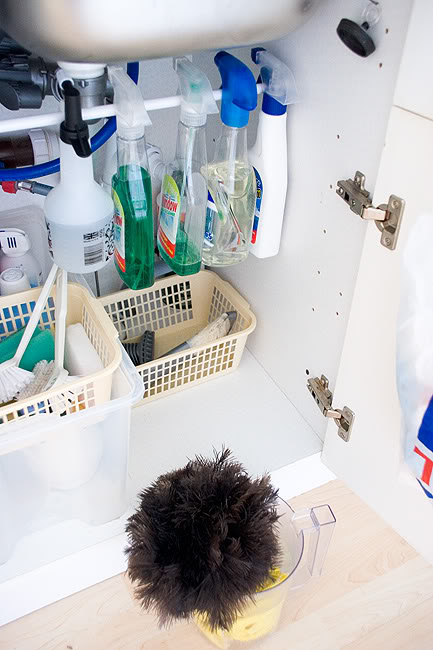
x,y
387,241
395,204
340,190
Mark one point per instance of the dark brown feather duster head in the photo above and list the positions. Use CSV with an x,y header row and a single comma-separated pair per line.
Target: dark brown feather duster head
x,y
203,540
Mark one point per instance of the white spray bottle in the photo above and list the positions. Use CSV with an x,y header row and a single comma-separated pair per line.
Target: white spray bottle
x,y
78,213
269,154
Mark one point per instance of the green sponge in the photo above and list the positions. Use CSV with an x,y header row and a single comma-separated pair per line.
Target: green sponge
x,y
41,347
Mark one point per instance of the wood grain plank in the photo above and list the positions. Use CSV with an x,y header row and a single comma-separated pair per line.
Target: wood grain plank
x,y
375,593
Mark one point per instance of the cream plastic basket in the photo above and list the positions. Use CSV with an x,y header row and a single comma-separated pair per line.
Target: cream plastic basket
x,y
176,308
83,393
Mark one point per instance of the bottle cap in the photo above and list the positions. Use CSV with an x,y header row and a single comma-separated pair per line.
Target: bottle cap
x,y
280,85
197,100
239,90
12,281
131,114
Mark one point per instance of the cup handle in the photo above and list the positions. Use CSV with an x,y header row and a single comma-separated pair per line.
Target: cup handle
x,y
317,525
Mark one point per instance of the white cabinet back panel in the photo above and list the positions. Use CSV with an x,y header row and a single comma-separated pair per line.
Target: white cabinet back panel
x,y
302,297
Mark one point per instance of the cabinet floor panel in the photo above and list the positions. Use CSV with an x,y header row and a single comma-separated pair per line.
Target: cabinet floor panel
x,y
245,410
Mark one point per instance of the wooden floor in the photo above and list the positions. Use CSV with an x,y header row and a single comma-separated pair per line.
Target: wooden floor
x,y
375,593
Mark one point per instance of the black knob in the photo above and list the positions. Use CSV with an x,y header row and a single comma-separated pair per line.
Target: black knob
x,y
356,37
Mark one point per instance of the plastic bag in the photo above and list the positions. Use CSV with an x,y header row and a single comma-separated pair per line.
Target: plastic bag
x,y
415,352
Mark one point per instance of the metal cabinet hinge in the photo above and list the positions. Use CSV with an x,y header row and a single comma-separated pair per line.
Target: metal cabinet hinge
x,y
344,418
387,217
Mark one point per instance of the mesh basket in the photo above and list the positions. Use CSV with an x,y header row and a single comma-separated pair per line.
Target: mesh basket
x,y
175,309
77,395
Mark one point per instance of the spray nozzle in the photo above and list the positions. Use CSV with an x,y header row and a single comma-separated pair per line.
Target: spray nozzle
x,y
239,95
132,117
74,130
279,81
197,100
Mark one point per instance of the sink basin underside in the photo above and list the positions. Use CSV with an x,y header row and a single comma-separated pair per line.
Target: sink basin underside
x,y
126,30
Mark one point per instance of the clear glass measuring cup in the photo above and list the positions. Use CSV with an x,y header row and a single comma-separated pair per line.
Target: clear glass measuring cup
x,y
304,537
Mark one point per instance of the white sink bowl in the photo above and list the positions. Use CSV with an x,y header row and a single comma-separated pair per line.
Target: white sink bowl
x,y
126,30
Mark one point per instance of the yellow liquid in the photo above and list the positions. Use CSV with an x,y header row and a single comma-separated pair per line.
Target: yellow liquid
x,y
233,221
257,620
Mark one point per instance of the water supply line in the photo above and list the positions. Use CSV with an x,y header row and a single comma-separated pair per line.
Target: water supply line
x,y
53,166
103,111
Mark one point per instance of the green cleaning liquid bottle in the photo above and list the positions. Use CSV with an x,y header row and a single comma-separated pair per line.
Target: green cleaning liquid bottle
x,y
183,205
232,182
131,187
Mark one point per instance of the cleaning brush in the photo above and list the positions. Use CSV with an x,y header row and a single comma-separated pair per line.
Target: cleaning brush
x,y
12,378
60,374
143,351
42,372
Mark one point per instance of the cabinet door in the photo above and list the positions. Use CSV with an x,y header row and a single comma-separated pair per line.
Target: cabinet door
x,y
371,462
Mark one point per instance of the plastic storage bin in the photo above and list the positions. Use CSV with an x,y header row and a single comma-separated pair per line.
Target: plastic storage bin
x,y
61,477
176,308
81,394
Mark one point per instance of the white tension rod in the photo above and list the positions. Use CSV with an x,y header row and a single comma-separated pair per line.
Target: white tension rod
x,y
52,119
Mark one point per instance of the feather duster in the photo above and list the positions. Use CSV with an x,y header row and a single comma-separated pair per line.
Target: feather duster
x,y
202,541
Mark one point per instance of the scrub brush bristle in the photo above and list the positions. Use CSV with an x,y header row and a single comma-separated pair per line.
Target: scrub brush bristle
x,y
12,380
203,541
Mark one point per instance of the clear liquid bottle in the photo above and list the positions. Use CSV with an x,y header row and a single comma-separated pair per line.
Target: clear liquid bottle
x,y
232,189
231,178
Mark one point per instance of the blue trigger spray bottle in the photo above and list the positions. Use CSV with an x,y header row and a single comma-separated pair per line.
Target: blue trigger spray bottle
x,y
231,178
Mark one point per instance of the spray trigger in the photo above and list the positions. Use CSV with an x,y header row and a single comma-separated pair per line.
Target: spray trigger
x,y
197,100
276,75
132,116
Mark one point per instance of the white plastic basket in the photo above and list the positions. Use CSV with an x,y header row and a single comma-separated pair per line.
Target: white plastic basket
x,y
175,308
83,393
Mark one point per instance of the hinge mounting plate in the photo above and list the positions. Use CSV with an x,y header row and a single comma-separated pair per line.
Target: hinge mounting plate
x,y
387,216
343,418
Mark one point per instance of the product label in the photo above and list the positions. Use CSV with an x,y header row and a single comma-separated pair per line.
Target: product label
x,y
169,215
98,245
211,212
119,233
259,197
78,250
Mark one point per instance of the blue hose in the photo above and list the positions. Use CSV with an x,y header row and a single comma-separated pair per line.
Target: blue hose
x,y
53,166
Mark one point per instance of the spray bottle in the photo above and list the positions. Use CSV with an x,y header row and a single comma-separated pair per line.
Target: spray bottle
x,y
132,190
269,154
231,184
78,213
183,205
